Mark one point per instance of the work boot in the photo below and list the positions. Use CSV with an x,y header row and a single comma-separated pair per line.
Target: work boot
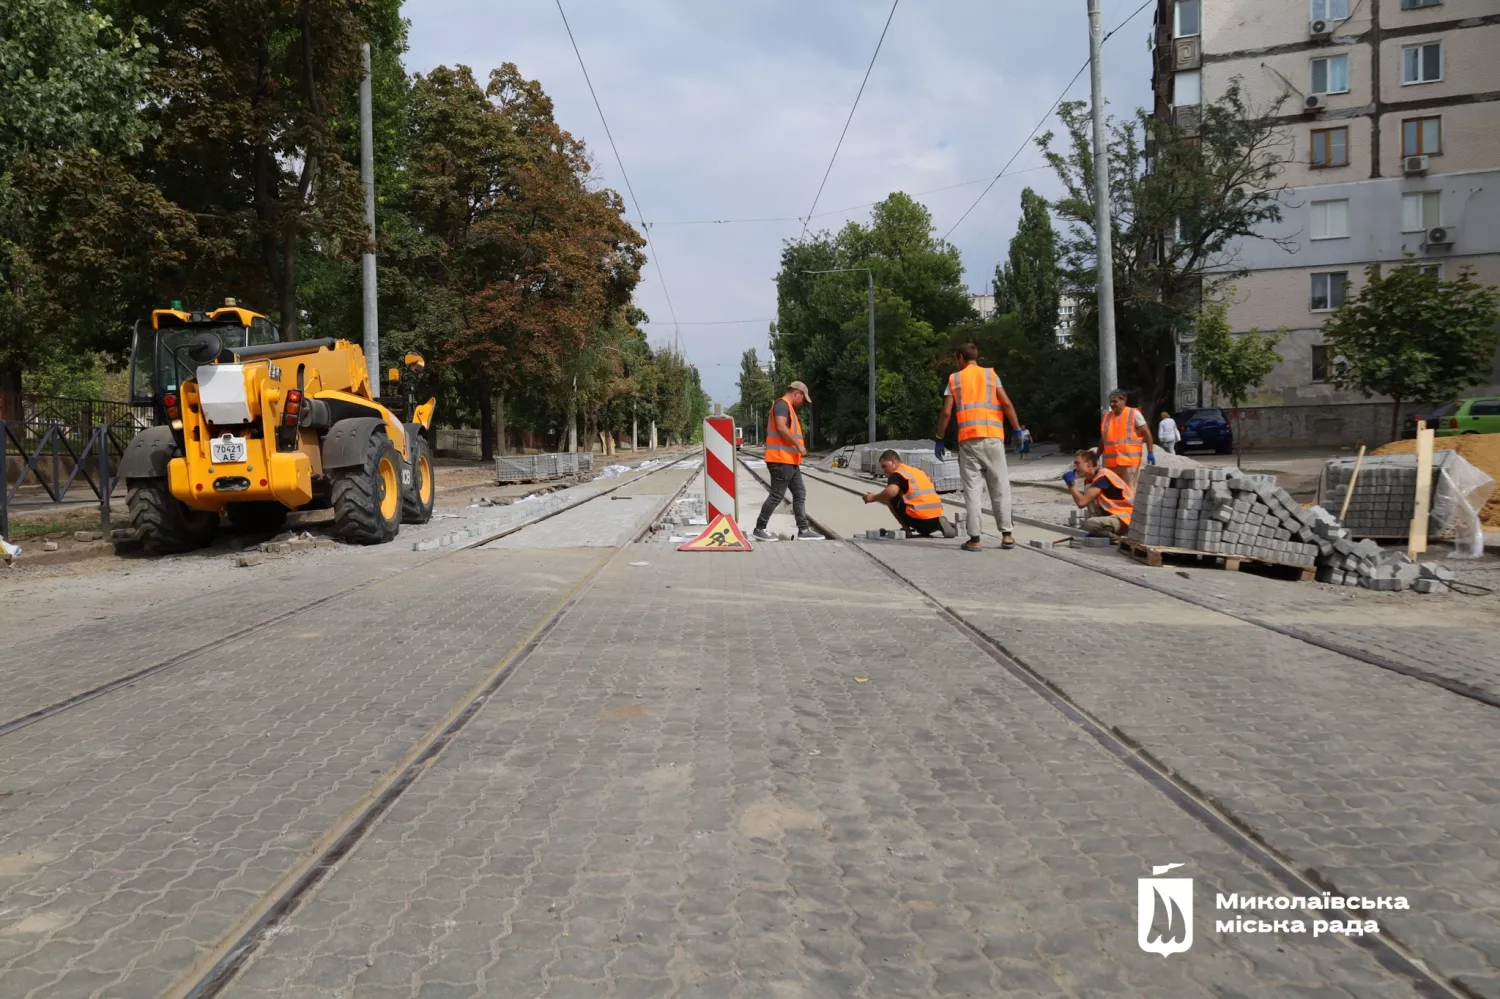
x,y
808,534
972,545
948,527
761,534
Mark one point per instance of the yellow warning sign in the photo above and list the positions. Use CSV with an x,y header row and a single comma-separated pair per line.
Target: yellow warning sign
x,y
723,535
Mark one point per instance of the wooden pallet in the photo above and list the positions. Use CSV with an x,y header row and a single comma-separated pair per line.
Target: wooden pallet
x,y
1156,555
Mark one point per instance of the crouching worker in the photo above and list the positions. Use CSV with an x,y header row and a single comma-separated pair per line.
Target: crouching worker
x,y
910,494
1103,493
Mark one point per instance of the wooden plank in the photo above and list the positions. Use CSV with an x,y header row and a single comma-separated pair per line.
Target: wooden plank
x,y
1353,479
1418,543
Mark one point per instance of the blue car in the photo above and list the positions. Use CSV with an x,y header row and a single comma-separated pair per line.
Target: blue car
x,y
1205,428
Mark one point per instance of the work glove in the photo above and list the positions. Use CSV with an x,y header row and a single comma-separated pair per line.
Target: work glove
x,y
1069,476
1151,457
938,450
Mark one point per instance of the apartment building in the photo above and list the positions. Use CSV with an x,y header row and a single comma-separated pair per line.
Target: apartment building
x,y
1391,122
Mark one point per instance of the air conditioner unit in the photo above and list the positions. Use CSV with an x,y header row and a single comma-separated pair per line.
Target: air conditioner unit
x,y
1314,102
1441,235
1320,30
1414,165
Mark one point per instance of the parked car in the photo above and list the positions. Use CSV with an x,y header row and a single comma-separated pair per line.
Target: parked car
x,y
1433,418
1205,428
1469,416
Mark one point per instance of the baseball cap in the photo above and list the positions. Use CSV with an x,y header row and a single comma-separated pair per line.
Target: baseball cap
x,y
800,387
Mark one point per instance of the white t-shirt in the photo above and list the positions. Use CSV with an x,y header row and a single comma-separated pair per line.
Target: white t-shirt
x,y
1166,431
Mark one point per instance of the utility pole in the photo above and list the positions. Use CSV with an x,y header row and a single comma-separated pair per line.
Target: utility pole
x,y
1103,220
367,261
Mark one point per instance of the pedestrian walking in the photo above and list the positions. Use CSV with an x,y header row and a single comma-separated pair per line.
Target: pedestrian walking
x,y
1124,439
1167,434
913,499
784,451
1025,445
977,400
1105,496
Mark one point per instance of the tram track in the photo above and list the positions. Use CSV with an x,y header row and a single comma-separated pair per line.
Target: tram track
x,y
95,691
1386,950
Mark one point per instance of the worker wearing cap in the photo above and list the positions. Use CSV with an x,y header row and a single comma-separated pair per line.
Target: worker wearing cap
x,y
784,450
1105,495
1125,439
912,498
976,399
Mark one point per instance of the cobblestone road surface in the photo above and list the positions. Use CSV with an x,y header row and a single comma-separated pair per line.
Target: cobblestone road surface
x,y
1379,783
774,774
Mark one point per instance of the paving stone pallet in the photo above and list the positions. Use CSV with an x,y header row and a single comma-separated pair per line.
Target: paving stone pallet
x,y
1156,555
1222,511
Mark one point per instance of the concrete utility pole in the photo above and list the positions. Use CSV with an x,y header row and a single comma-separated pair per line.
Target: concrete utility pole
x,y
367,261
1103,221
870,277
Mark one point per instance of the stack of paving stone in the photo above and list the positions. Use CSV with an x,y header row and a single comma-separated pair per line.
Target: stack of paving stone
x,y
1222,511
1345,562
1385,494
917,454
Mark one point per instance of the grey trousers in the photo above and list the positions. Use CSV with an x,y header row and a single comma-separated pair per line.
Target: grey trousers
x,y
981,463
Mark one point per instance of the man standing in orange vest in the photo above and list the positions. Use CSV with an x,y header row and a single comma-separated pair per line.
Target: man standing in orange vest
x,y
976,398
1124,439
784,451
1106,496
912,498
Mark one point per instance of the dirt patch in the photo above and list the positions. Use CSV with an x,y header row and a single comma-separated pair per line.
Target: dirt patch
x,y
623,714
769,819
1480,450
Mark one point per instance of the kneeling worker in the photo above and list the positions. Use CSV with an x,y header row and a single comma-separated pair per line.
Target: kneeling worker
x,y
910,494
1106,496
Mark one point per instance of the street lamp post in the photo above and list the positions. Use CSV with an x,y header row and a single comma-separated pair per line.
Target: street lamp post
x,y
870,276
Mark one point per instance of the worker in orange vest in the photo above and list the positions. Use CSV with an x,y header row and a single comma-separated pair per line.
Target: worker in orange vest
x,y
1105,495
912,498
784,450
1125,439
975,397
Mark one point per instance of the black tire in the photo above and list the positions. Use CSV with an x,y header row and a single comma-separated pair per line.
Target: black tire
x,y
257,516
1223,450
163,524
367,497
417,499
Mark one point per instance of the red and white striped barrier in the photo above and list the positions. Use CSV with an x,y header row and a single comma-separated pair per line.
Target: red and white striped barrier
x,y
718,467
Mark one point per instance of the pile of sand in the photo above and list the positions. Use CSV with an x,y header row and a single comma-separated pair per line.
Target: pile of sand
x,y
1480,450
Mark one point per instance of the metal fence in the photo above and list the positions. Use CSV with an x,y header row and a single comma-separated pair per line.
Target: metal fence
x,y
52,458
521,467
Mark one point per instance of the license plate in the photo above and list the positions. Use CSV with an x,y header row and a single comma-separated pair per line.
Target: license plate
x,y
1192,441
226,450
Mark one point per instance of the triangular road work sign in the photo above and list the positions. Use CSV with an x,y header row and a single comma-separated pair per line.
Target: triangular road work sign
x,y
723,535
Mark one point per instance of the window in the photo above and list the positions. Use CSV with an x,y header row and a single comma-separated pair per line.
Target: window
x,y
1330,219
1421,211
1330,147
1422,136
1189,18
1436,270
1414,4
1330,10
1422,63
1319,363
1188,88
1330,75
1328,290
1484,407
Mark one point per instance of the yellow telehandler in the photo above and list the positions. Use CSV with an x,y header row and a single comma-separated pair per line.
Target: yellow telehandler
x,y
253,427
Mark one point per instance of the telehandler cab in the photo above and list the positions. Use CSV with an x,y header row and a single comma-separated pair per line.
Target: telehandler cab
x,y
253,427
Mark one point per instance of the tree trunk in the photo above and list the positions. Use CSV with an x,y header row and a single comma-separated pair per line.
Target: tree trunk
x,y
500,446
289,317
486,426
10,393
1396,418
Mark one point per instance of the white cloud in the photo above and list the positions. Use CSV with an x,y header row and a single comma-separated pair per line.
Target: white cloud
x,y
732,110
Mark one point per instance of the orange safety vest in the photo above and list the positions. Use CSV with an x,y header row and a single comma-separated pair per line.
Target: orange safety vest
x,y
781,449
976,402
1124,447
922,502
1121,507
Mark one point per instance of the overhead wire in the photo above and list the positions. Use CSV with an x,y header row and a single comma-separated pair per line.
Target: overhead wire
x,y
840,144
646,229
1032,134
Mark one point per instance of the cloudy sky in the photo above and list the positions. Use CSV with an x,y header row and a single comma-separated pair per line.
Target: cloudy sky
x,y
731,111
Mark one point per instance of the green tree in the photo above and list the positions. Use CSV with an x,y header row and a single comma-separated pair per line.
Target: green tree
x,y
1026,283
1181,198
1236,363
756,393
1414,337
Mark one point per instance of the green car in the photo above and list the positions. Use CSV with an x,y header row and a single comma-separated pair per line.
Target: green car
x,y
1467,416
